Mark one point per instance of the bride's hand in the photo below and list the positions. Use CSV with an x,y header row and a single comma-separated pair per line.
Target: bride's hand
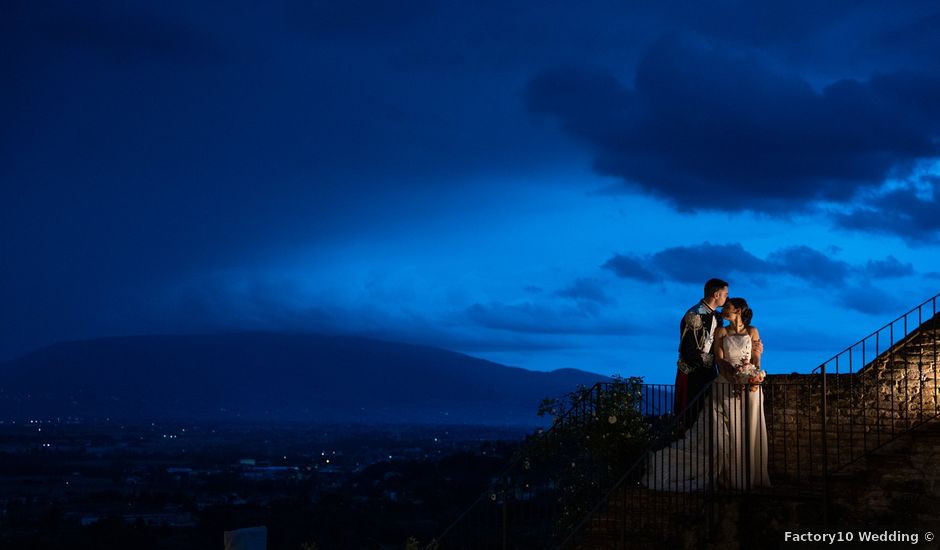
x,y
758,347
726,370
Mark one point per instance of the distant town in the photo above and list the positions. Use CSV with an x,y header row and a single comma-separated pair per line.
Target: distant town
x,y
161,485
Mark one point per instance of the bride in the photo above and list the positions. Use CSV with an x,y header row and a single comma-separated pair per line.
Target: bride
x,y
729,436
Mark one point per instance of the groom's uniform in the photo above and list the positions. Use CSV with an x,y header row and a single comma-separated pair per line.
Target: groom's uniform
x,y
696,364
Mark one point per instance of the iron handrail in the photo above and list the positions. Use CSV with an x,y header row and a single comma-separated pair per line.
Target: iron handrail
x,y
517,457
669,427
889,326
583,408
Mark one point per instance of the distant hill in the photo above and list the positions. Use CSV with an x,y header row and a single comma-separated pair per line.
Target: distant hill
x,y
278,377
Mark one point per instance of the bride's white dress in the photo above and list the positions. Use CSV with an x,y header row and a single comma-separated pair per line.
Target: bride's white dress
x,y
737,452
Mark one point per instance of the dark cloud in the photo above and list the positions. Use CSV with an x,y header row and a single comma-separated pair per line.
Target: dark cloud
x,y
233,301
687,264
870,300
359,19
903,212
708,126
697,264
144,144
225,302
888,268
527,317
630,267
810,265
909,41
586,289
126,35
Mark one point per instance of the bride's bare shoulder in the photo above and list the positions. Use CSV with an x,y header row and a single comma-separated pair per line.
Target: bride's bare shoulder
x,y
755,335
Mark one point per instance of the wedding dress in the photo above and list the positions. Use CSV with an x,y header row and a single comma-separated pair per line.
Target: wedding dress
x,y
729,437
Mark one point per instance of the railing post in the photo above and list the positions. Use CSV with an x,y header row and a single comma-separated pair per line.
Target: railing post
x,y
710,496
920,367
746,410
936,333
505,538
825,449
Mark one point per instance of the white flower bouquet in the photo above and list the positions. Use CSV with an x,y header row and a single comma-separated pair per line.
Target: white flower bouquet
x,y
750,375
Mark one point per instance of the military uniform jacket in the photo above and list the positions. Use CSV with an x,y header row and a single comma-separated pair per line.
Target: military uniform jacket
x,y
697,333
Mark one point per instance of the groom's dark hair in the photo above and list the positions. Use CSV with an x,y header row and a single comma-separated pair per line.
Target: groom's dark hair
x,y
713,286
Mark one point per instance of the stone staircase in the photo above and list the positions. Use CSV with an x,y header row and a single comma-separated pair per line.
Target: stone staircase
x,y
649,510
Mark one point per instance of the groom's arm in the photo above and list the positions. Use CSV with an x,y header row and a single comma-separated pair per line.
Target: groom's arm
x,y
688,346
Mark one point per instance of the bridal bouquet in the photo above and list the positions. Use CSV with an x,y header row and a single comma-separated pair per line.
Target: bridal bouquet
x,y
749,374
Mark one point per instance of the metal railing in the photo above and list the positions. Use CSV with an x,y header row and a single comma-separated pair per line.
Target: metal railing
x,y
879,388
718,444
536,498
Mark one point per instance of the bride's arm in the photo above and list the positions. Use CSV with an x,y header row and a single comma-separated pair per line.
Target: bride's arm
x,y
716,345
756,351
718,348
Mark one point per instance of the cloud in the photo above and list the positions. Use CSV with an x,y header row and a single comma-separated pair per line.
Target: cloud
x,y
124,35
630,267
707,126
915,39
238,301
870,300
358,19
527,317
586,289
195,138
888,268
697,264
810,265
902,212
687,264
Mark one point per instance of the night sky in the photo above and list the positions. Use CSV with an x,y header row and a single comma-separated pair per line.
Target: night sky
x,y
541,184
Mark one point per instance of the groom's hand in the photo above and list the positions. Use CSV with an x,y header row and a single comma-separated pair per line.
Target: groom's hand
x,y
759,347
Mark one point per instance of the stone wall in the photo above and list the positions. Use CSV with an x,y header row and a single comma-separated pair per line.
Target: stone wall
x,y
892,393
895,487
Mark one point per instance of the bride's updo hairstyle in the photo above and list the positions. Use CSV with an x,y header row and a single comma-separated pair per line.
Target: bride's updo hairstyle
x,y
746,313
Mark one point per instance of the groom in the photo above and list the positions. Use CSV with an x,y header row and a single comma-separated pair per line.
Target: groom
x,y
696,364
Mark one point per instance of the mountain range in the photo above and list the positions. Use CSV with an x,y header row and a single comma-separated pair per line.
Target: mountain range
x,y
274,377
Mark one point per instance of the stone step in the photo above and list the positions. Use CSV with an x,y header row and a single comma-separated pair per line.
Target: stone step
x,y
652,526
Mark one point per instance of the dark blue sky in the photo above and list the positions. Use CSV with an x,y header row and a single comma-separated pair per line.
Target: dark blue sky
x,y
541,184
